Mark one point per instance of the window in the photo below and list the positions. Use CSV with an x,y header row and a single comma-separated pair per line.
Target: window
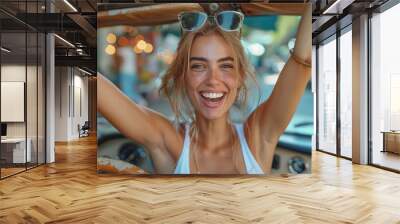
x,y
385,88
346,93
327,96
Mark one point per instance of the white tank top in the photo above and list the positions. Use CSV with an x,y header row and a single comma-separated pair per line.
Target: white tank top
x,y
252,167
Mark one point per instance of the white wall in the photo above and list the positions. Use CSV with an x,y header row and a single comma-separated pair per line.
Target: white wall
x,y
15,73
71,93
61,103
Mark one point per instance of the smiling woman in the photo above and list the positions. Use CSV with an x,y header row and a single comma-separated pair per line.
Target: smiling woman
x,y
206,78
203,59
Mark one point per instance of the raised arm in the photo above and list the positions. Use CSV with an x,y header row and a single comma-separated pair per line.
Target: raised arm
x,y
141,124
273,116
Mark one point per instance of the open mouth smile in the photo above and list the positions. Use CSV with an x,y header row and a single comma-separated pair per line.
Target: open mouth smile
x,y
212,99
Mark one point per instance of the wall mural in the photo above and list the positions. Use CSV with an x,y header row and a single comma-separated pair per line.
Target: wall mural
x,y
204,89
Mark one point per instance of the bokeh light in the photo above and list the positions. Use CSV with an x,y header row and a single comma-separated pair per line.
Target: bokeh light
x,y
137,50
256,49
148,48
111,38
110,49
141,44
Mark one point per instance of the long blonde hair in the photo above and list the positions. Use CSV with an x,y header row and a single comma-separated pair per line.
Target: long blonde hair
x,y
173,82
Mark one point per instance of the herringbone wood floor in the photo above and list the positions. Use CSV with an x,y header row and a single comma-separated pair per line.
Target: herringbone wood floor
x,y
70,191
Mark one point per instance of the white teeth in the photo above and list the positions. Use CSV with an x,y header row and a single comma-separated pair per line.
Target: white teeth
x,y
212,95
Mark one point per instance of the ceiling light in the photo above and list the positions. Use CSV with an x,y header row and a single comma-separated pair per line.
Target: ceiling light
x,y
70,5
337,7
5,50
84,71
79,51
65,41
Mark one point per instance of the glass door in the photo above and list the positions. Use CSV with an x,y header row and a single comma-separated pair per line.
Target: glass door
x,y
22,76
14,153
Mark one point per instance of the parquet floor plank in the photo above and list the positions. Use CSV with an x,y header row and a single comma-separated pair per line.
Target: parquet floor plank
x,y
71,191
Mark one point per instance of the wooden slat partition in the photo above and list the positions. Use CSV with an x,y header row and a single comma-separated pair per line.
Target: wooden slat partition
x,y
167,13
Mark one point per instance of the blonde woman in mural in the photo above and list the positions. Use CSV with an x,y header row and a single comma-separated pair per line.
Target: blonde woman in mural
x,y
205,79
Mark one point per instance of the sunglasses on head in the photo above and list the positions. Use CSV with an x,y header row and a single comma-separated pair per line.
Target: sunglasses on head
x,y
225,20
